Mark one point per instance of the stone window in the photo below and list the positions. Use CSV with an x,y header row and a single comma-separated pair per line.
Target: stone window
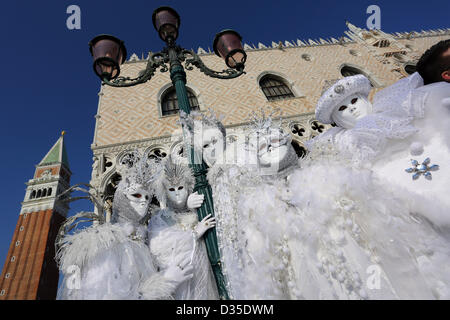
x,y
348,71
39,193
299,150
49,193
7,275
157,153
275,88
17,243
13,258
169,102
383,43
298,130
44,193
2,293
316,126
21,228
33,194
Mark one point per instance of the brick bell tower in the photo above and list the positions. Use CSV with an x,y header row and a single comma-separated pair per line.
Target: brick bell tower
x,y
30,271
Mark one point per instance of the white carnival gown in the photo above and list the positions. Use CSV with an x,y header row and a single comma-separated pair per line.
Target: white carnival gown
x,y
171,235
109,262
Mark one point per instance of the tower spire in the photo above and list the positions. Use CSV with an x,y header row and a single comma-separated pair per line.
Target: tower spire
x,y
57,153
30,271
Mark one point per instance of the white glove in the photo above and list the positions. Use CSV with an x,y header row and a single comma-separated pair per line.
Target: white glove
x,y
195,200
204,225
179,271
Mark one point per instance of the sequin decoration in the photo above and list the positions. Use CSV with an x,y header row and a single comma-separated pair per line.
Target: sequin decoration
x,y
422,169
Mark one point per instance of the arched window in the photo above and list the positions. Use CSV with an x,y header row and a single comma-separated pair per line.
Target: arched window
x,y
49,193
33,194
44,193
111,186
169,102
348,71
299,150
157,154
39,194
275,88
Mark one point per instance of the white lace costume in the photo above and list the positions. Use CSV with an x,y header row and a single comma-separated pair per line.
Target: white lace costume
x,y
171,235
356,218
432,119
253,221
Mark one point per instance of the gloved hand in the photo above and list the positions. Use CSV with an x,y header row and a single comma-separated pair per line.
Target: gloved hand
x,y
204,225
179,271
195,200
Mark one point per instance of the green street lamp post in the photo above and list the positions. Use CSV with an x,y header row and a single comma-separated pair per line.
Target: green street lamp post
x,y
109,53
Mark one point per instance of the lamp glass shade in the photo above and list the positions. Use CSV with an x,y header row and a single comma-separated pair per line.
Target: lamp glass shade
x,y
166,21
227,44
108,53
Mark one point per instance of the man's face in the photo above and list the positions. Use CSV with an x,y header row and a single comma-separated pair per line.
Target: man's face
x,y
446,74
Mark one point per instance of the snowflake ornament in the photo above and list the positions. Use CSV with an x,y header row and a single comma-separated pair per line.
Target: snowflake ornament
x,y
425,168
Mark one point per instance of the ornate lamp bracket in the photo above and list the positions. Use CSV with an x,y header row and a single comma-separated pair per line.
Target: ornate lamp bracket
x,y
194,60
155,61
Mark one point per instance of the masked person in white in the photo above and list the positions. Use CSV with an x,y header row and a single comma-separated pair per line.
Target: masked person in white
x,y
176,234
112,260
369,215
362,129
417,169
425,154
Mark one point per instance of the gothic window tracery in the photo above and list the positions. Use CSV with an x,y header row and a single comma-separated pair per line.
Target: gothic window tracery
x,y
299,149
169,102
157,154
316,126
129,159
298,130
275,88
111,187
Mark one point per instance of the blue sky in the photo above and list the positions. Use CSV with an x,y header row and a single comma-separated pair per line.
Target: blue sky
x,y
47,83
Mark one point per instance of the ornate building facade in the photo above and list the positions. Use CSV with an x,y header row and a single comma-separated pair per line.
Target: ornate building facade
x,y
288,75
30,271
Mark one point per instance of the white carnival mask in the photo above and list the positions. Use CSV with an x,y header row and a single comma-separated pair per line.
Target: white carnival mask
x,y
139,198
350,110
272,149
212,145
176,196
